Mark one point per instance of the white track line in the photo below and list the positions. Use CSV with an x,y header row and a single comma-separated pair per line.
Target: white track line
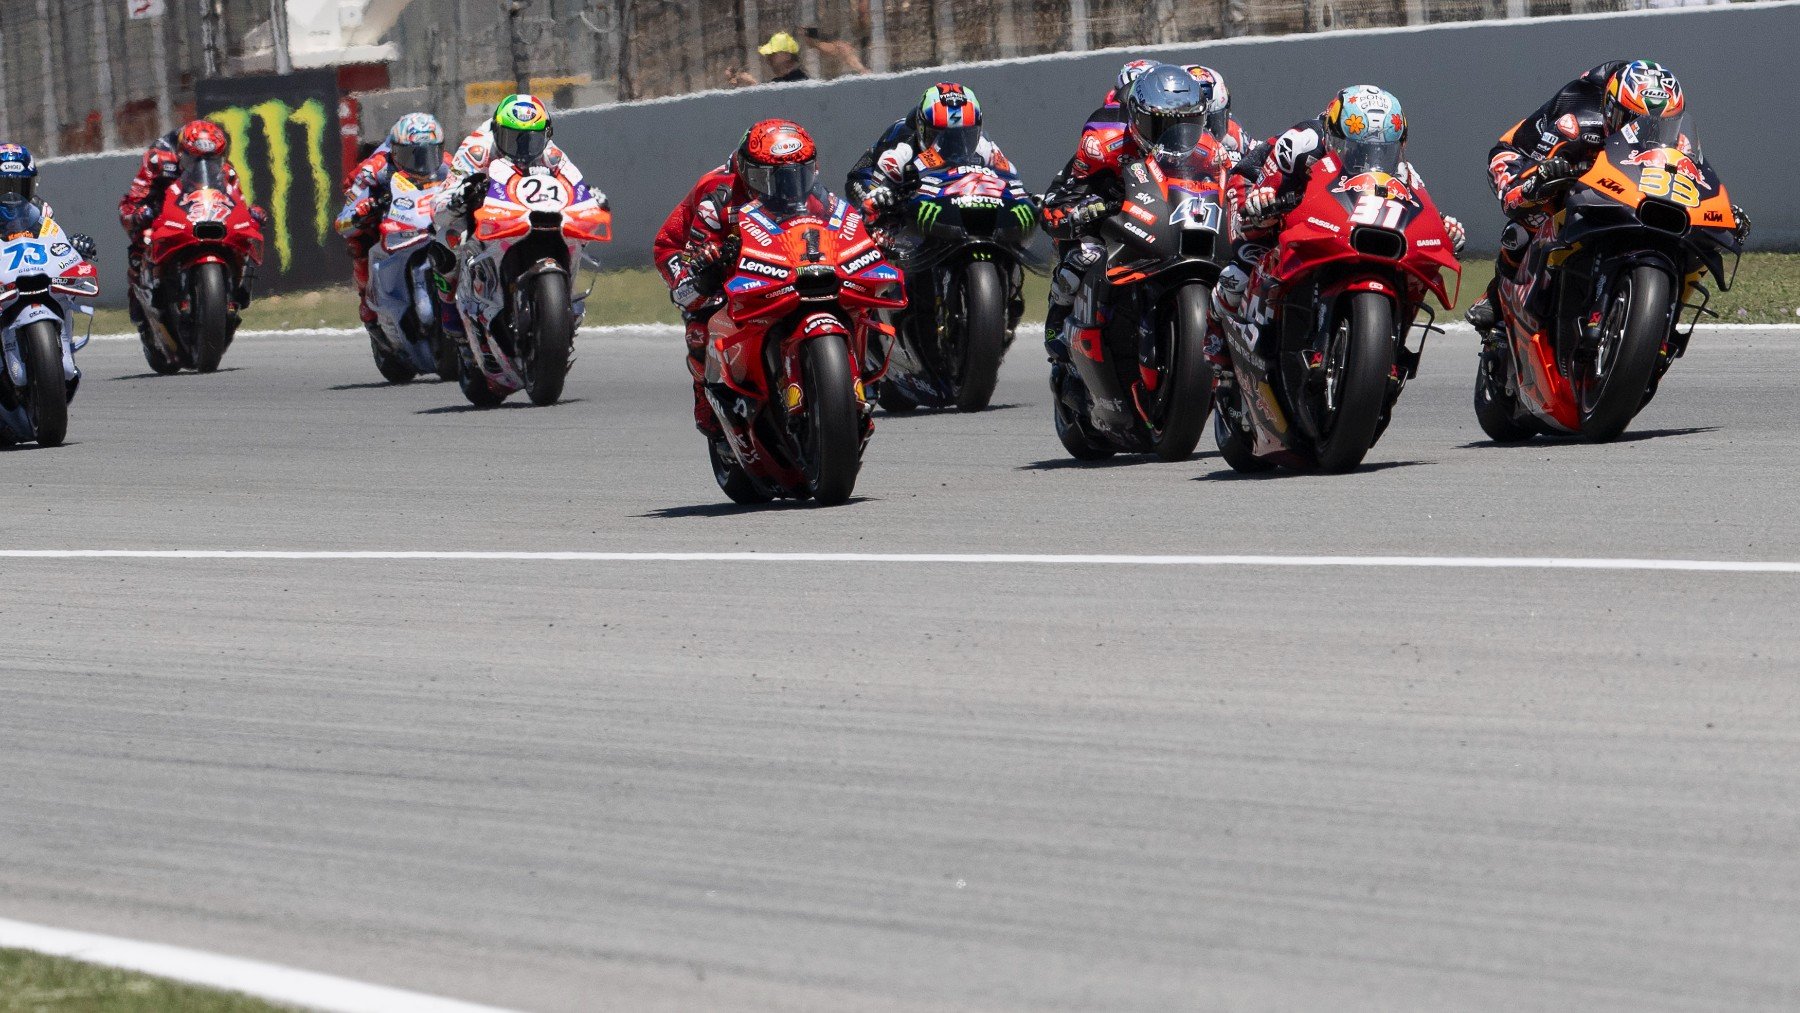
x,y
975,558
270,982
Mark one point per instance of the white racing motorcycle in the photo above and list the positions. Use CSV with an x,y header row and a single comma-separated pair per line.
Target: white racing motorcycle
x,y
529,237
41,277
407,340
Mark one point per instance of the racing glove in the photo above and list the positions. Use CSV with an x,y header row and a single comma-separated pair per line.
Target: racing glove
x,y
881,197
83,244
1459,236
363,207
1259,203
1551,172
1088,212
1743,222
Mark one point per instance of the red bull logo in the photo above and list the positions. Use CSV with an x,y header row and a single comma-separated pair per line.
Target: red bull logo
x,y
1378,184
1671,159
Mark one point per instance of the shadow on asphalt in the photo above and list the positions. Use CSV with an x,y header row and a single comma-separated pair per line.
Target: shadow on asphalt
x,y
187,374
1117,461
929,413
729,509
458,409
13,448
1228,475
1562,440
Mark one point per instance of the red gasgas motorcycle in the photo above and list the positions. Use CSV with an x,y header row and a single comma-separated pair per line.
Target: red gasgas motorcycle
x,y
194,279
787,358
1319,352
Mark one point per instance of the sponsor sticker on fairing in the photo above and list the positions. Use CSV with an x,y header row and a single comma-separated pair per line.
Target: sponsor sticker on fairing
x,y
863,261
750,265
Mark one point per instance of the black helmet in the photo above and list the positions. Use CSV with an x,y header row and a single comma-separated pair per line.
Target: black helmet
x,y
1166,110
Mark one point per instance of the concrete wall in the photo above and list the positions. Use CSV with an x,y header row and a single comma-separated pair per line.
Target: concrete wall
x,y
1462,86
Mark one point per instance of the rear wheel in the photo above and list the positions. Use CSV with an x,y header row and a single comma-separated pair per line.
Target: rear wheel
x,y
159,363
393,370
47,401
893,400
731,476
1236,444
552,338
831,440
1495,409
212,321
1358,361
1187,378
1610,387
1068,426
983,334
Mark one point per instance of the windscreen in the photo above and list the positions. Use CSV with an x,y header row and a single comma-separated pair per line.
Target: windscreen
x,y
202,173
958,145
1366,156
1659,132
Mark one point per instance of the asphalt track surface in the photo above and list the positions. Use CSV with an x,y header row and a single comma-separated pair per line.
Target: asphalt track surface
x,y
835,786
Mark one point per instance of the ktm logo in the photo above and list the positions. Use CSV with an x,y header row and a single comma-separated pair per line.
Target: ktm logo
x,y
272,119
1611,185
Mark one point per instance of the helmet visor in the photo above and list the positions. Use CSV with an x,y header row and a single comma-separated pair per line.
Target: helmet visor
x,y
202,173
17,188
1168,133
957,145
1371,156
522,146
418,159
782,185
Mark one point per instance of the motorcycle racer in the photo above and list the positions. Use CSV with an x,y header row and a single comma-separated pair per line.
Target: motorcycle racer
x,y
1164,102
164,162
1559,142
413,147
946,120
20,206
776,162
1360,113
1219,121
520,131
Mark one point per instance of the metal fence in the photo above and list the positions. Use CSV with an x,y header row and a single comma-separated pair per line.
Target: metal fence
x,y
82,75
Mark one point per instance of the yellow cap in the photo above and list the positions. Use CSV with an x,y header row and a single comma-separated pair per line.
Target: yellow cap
x,y
780,42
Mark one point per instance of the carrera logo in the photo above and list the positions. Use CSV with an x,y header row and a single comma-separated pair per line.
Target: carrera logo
x,y
750,265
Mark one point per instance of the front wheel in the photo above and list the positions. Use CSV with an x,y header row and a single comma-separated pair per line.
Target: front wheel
x,y
1236,444
47,400
212,321
733,480
1358,361
392,369
474,383
831,440
552,338
983,334
1187,378
1610,386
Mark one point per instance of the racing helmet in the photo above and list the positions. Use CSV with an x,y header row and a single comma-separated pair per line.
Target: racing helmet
x,y
522,128
949,119
779,162
1128,75
416,145
201,141
1218,111
18,174
1365,114
1166,110
1642,88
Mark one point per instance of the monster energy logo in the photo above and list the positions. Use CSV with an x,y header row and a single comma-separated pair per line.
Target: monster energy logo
x,y
928,214
273,118
1027,218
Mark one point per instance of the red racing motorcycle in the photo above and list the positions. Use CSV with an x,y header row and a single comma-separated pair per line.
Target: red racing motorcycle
x,y
200,255
787,358
1319,354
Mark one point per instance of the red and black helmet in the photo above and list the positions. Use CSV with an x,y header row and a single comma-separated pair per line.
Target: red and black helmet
x,y
202,139
778,161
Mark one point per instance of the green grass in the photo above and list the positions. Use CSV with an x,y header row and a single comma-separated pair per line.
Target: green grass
x,y
1767,291
34,983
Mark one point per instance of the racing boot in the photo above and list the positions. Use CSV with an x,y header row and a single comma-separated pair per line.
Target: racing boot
x,y
704,419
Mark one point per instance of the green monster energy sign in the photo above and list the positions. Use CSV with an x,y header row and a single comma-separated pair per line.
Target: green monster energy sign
x,y
285,149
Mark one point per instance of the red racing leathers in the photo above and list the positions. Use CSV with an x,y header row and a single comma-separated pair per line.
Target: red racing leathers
x,y
698,223
143,201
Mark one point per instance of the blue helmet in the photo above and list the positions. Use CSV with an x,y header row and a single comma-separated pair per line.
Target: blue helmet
x,y
18,174
1166,109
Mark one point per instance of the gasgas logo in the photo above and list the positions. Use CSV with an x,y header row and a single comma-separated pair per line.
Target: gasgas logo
x,y
272,119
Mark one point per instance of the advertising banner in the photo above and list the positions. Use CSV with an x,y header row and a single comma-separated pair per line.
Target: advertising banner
x,y
288,157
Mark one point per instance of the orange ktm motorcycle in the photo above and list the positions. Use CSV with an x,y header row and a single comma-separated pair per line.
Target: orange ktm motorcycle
x,y
1595,316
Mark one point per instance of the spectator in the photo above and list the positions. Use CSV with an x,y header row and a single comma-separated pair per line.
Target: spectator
x,y
782,55
840,52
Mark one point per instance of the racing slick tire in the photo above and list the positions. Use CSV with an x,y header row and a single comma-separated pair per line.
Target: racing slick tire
x,y
1610,390
733,480
1188,378
47,400
1358,360
983,334
831,434
212,316
552,338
